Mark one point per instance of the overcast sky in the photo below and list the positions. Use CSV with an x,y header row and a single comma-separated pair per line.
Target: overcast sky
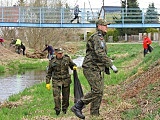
x,y
97,3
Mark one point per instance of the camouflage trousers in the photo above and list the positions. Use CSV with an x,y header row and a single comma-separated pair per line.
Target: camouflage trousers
x,y
57,90
96,82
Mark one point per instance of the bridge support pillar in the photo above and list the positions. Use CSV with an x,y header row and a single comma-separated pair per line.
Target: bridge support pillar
x,y
126,37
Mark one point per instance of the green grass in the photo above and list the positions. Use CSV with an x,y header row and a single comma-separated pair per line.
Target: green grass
x,y
131,114
22,65
2,69
38,101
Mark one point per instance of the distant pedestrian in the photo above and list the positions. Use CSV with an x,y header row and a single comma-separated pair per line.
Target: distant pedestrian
x,y
76,12
50,50
146,44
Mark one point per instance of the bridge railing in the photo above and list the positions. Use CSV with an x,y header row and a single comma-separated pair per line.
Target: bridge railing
x,y
45,15
64,15
134,16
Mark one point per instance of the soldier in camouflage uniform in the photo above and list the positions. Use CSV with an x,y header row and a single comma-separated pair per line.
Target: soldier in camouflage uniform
x,y
94,64
61,79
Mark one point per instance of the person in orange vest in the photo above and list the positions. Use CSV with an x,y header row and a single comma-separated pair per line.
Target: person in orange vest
x,y
146,44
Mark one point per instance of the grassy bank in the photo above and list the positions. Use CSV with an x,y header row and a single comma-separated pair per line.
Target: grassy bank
x,y
24,63
36,103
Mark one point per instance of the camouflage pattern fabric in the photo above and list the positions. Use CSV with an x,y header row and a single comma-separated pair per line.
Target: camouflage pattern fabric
x,y
58,70
102,22
94,65
96,53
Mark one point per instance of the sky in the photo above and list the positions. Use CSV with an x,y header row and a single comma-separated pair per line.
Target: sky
x,y
97,3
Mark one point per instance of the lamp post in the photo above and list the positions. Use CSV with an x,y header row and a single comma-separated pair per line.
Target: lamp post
x,y
103,6
124,2
126,16
126,7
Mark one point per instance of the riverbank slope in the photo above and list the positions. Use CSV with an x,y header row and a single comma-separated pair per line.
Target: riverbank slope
x,y
131,94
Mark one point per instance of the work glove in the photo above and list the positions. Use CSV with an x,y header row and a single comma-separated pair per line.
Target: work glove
x,y
115,70
48,86
74,67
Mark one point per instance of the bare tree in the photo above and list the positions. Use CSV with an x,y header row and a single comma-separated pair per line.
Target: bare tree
x,y
37,37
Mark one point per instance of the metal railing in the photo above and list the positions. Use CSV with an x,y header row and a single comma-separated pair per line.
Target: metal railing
x,y
44,15
134,16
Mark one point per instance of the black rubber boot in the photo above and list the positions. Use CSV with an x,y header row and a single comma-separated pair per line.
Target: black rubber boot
x,y
77,109
78,21
71,21
57,112
64,111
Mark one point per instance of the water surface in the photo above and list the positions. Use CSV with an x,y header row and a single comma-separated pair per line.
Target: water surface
x,y
14,84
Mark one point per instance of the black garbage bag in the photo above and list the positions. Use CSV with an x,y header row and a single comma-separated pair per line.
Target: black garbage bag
x,y
150,48
78,92
107,71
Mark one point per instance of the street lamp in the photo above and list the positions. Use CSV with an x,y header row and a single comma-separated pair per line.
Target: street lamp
x,y
126,16
126,7
125,3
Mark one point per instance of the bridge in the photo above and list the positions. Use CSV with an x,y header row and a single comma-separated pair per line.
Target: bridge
x,y
49,17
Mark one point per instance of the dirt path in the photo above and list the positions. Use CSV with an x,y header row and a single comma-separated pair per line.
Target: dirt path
x,y
7,54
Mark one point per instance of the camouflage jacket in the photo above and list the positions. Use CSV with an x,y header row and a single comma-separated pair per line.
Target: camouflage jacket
x,y
96,53
59,68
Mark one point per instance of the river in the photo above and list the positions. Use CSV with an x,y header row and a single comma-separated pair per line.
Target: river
x,y
13,84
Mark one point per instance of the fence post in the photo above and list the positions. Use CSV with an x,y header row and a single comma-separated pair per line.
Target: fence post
x,y
122,16
40,16
2,14
19,15
159,38
62,15
143,16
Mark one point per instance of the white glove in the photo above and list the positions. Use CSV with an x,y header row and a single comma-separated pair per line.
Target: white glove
x,y
114,68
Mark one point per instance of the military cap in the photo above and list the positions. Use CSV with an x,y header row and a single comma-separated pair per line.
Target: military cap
x,y
102,22
59,50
